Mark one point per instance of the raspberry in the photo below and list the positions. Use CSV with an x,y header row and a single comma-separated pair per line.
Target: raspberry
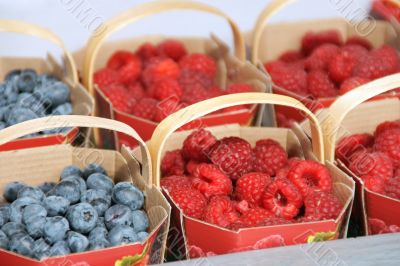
x,y
191,167
374,183
136,90
392,188
387,125
347,146
391,229
165,88
250,187
172,163
390,56
357,51
195,94
376,226
312,40
119,98
291,56
389,142
269,156
308,175
167,107
375,164
189,79
341,66
130,72
145,108
120,58
320,85
197,145
233,155
160,68
239,88
255,216
282,198
105,77
174,182
288,77
322,206
200,63
146,51
351,83
359,41
321,56
172,48
221,211
211,181
190,201
283,120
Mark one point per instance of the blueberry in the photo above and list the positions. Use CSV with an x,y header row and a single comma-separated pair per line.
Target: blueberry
x,y
79,180
17,207
118,215
20,114
11,190
142,236
63,109
12,74
12,98
82,217
3,240
45,80
122,234
140,221
93,168
56,205
31,192
22,244
98,233
26,81
41,249
99,244
127,194
100,222
46,186
12,228
100,181
27,100
71,170
2,125
35,227
55,229
5,111
77,242
32,212
54,94
67,189
60,248
98,198
4,214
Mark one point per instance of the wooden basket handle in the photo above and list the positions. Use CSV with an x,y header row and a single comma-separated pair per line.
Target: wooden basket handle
x,y
344,104
145,10
51,122
21,27
195,111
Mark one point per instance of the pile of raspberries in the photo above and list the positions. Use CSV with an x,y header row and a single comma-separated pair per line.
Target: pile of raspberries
x,y
374,158
326,66
156,81
228,183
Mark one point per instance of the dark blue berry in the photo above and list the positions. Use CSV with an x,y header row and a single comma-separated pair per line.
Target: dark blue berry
x,y
62,109
3,240
22,244
56,205
60,248
142,236
71,170
67,189
122,234
31,192
118,215
93,168
41,249
82,217
127,194
4,215
98,198
100,181
46,186
11,190
17,207
77,242
140,221
55,229
12,228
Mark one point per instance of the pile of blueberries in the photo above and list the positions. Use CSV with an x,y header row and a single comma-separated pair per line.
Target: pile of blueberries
x,y
84,211
25,95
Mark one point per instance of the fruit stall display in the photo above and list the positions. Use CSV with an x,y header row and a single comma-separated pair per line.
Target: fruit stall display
x,y
141,81
77,204
34,87
367,149
317,61
248,188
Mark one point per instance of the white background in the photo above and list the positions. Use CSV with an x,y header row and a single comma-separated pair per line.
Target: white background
x,y
54,15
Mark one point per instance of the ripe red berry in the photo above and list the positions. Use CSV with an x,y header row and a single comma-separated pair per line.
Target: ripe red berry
x,y
174,182
389,142
190,201
233,155
172,163
282,198
355,40
130,72
321,57
221,211
146,51
392,188
322,205
136,90
311,40
320,85
340,66
250,187
172,48
387,125
160,68
348,145
104,77
165,88
310,175
199,63
269,156
119,97
374,183
211,181
145,108
351,83
120,58
166,107
375,164
196,93
255,216
376,226
197,145
291,56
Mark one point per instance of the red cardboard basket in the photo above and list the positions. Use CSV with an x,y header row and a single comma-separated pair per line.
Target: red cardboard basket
x,y
37,165
81,101
196,233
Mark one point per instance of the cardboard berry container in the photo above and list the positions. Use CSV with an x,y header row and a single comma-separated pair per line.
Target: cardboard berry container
x,y
268,42
37,165
388,9
82,102
231,68
349,115
203,238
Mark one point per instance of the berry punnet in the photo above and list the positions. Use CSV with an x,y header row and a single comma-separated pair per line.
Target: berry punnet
x,y
228,183
84,211
139,82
